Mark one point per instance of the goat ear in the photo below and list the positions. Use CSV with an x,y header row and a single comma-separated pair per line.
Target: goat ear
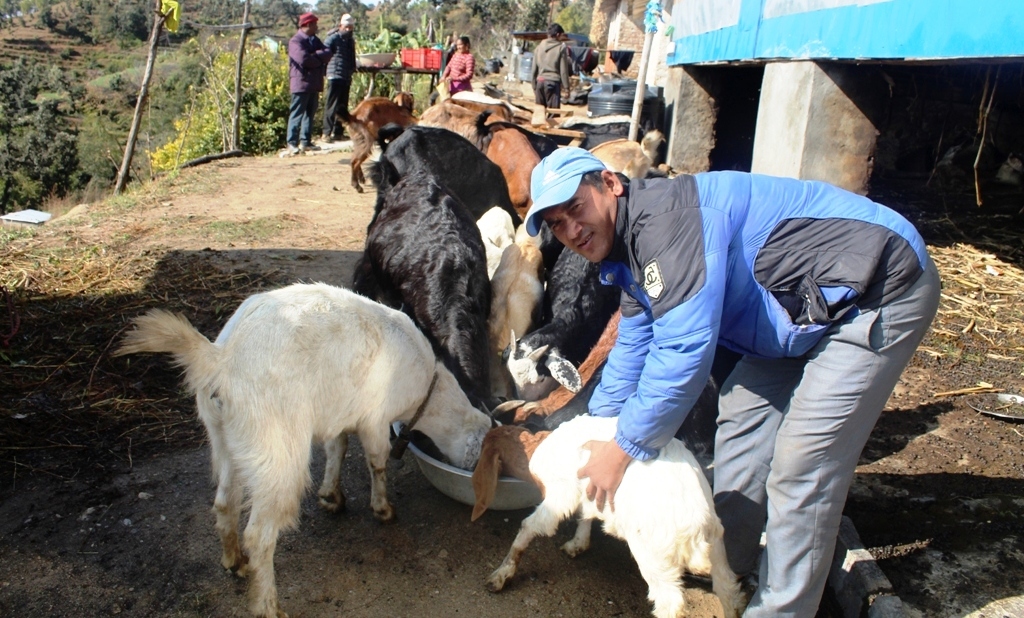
x,y
564,373
485,478
539,353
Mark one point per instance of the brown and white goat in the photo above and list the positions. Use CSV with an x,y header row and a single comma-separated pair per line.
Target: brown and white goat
x,y
630,158
298,364
663,508
468,123
364,123
498,233
517,290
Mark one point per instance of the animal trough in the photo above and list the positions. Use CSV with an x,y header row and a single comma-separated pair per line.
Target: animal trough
x,y
457,483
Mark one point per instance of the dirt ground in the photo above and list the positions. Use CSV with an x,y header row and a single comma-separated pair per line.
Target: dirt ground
x,y
105,488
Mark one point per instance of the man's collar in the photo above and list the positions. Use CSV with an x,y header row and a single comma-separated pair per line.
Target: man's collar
x,y
619,252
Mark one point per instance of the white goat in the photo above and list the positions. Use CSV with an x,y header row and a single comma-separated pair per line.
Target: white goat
x,y
632,159
663,510
497,232
517,289
296,364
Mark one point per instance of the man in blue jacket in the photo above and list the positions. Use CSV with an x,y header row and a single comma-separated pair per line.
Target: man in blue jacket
x,y
826,294
307,63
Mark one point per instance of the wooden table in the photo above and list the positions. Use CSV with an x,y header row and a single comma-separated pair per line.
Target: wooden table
x,y
399,73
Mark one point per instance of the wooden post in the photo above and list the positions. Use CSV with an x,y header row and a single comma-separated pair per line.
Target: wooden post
x,y
236,134
641,88
133,134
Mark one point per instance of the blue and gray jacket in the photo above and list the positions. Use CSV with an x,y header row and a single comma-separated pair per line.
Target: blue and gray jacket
x,y
761,265
343,45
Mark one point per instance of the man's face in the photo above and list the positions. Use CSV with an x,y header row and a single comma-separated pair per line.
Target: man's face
x,y
312,28
346,27
586,223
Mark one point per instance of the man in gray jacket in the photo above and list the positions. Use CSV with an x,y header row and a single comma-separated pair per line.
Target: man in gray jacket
x,y
342,44
550,73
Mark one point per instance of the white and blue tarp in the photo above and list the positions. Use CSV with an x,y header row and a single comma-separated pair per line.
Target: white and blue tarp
x,y
750,30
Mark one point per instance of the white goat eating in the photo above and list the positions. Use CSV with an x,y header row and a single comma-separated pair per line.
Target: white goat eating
x,y
663,510
296,364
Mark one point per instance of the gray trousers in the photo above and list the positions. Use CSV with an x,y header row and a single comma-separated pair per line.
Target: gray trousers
x,y
790,433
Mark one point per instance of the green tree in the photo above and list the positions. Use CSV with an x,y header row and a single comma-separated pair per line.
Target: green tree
x,y
124,20
576,16
264,113
38,142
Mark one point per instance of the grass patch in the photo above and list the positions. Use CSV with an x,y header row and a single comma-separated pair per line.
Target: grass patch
x,y
254,230
13,233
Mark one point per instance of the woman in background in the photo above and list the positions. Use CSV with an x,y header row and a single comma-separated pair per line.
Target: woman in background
x,y
460,67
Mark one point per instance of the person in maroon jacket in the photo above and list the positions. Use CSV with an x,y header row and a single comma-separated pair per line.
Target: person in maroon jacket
x,y
307,64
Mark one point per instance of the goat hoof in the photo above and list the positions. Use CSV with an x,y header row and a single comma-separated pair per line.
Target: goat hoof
x,y
332,502
237,565
495,584
385,515
357,188
572,550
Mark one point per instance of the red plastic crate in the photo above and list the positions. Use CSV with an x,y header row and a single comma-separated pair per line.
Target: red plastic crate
x,y
424,58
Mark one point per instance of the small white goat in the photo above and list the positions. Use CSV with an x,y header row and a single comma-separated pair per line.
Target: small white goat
x,y
296,364
497,232
632,159
517,289
663,509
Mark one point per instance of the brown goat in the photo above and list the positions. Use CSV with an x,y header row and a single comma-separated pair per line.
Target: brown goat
x,y
366,120
404,99
561,395
458,119
630,158
509,148
506,451
499,113
517,290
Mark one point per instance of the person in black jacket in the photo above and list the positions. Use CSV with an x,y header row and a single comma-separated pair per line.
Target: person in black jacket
x,y
342,44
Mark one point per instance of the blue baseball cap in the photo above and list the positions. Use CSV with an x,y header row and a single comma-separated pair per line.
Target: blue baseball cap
x,y
555,180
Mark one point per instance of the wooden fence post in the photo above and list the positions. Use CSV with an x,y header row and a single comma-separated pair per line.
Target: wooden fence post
x,y
133,134
236,135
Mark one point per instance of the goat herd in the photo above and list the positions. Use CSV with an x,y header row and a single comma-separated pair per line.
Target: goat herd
x,y
454,312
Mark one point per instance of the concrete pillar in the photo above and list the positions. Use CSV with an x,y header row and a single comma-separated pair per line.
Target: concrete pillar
x,y
690,113
815,121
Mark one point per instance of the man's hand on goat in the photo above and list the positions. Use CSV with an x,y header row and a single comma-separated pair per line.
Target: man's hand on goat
x,y
605,469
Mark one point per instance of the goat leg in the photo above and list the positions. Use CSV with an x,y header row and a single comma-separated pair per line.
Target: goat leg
x,y
543,522
331,497
581,541
663,577
227,505
375,444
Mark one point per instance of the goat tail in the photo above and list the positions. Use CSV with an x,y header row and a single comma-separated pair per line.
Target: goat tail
x,y
483,132
163,331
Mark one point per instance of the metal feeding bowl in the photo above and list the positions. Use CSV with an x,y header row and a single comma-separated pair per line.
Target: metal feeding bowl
x,y
376,60
457,483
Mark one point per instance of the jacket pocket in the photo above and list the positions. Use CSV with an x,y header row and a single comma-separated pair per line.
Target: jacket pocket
x,y
808,303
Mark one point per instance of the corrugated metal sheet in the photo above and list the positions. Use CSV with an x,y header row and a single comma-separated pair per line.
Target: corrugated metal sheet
x,y
744,30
